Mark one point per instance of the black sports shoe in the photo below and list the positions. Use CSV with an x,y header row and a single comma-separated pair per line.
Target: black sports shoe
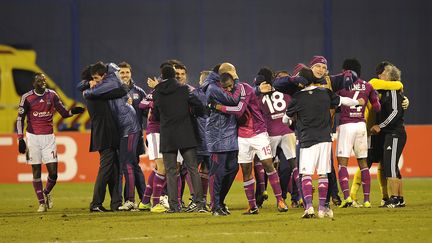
x,y
260,198
99,209
401,202
393,202
219,212
173,210
336,200
225,209
251,211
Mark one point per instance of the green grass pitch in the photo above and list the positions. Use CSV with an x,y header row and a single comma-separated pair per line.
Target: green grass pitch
x,y
70,220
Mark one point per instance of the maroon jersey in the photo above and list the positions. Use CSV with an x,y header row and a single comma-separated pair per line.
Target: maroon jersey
x,y
248,107
361,89
273,107
39,110
153,126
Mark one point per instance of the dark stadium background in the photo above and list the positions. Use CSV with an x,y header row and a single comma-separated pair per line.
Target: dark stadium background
x,y
68,34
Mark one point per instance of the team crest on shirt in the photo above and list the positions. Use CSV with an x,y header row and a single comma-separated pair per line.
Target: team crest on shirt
x,y
20,110
310,92
135,96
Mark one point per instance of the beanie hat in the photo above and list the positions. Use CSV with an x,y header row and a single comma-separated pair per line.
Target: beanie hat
x,y
227,67
317,59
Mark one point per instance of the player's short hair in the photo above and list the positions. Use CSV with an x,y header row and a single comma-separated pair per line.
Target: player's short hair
x,y
225,77
180,66
167,72
352,64
125,65
267,73
85,74
36,75
394,73
99,68
379,69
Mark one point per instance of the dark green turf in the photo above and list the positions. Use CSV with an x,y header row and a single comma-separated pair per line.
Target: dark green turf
x,y
70,221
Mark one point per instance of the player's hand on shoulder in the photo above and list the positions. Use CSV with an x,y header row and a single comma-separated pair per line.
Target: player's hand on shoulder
x,y
265,87
361,101
22,147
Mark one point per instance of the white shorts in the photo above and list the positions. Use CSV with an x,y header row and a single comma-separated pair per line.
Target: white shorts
x,y
41,149
315,157
286,142
153,140
259,145
352,136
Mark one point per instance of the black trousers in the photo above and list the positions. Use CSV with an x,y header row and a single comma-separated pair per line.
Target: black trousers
x,y
190,162
394,144
108,174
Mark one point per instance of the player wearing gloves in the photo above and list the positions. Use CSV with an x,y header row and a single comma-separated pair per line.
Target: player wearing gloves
x,y
39,106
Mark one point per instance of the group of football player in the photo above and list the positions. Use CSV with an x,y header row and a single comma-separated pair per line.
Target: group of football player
x,y
278,128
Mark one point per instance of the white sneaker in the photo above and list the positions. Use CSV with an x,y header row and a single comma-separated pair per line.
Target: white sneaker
x,y
321,214
329,213
164,201
127,206
48,201
42,208
356,204
309,213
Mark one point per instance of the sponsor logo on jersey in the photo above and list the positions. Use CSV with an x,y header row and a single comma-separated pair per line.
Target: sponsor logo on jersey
x,y
41,114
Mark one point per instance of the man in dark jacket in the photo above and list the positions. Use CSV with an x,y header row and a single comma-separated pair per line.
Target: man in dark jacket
x,y
173,104
135,95
222,146
125,117
105,139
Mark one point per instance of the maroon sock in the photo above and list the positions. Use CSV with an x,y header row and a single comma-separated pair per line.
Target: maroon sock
x,y
37,185
259,168
366,179
158,184
275,184
344,181
322,192
49,185
296,177
307,190
149,188
249,188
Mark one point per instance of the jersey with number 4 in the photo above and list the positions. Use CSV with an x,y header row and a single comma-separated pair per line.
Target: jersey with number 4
x,y
361,89
273,107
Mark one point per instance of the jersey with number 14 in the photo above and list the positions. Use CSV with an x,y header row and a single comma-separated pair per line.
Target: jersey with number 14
x,y
273,107
361,89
